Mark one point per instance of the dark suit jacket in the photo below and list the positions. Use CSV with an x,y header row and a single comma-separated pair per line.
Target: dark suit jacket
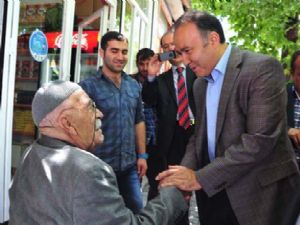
x,y
161,94
254,162
290,105
292,212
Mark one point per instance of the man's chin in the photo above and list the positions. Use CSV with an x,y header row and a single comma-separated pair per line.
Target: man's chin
x,y
100,139
119,68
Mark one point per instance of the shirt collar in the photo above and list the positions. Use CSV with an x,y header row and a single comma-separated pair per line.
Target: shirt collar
x,y
221,66
52,142
100,73
175,67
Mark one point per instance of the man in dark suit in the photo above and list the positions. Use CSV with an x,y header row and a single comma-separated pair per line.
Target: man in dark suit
x,y
240,161
162,92
293,106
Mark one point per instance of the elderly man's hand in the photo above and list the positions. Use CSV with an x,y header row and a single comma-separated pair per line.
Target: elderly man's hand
x,y
183,178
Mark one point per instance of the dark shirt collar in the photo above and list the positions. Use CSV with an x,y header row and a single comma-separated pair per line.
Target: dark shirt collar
x,y
52,142
101,74
139,77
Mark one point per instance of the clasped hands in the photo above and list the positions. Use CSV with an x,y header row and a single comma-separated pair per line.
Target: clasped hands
x,y
181,177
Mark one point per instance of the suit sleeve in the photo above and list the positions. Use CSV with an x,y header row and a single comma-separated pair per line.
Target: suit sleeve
x,y
261,128
150,92
97,201
190,158
290,106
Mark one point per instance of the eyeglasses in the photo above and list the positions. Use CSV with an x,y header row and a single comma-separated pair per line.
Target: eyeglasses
x,y
92,105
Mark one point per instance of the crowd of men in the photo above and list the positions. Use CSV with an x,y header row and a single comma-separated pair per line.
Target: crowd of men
x,y
214,123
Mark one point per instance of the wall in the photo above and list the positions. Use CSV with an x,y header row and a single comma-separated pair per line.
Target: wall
x,y
85,8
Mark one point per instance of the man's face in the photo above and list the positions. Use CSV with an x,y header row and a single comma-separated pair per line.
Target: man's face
x,y
167,44
296,74
86,120
115,55
142,66
199,54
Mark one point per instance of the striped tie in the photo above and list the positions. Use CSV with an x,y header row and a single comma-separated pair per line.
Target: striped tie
x,y
183,104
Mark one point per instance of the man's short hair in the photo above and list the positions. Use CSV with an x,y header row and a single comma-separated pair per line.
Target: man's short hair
x,y
204,21
293,59
171,30
144,54
111,35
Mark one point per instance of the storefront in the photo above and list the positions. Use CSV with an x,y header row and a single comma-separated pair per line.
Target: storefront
x,y
72,30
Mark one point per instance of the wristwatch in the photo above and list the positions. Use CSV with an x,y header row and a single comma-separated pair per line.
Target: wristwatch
x,y
142,155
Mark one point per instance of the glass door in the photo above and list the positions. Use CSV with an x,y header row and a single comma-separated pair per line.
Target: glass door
x,y
136,26
9,26
88,39
46,17
21,75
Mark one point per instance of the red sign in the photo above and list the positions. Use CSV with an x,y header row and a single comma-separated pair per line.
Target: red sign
x,y
89,40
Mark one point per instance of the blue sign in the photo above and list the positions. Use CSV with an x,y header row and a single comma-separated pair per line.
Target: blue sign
x,y
38,45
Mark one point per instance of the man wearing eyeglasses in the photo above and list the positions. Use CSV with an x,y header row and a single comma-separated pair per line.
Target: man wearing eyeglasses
x,y
60,182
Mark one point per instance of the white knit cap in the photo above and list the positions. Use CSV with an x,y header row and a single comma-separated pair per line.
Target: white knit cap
x,y
49,96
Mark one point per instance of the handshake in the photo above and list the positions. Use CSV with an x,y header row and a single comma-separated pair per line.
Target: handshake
x,y
181,177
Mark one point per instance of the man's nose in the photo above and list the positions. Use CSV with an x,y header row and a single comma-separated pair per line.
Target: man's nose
x,y
185,59
120,55
99,114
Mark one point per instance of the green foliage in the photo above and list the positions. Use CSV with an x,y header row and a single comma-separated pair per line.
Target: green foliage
x,y
259,25
54,16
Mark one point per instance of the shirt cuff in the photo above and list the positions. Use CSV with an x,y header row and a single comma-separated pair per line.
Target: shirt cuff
x,y
150,78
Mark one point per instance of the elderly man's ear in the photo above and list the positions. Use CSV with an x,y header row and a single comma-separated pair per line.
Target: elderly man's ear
x,y
67,125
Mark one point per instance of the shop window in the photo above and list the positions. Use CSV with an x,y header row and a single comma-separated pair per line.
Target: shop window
x,y
143,4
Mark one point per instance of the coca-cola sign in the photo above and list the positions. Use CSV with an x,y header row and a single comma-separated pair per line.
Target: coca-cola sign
x,y
89,40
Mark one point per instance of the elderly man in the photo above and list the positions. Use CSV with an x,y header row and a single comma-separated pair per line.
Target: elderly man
x,y
60,182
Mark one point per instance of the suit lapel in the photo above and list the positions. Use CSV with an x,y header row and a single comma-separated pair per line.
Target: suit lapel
x,y
200,100
169,80
199,91
231,74
189,80
170,84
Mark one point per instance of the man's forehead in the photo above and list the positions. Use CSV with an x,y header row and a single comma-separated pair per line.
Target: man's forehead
x,y
117,44
183,35
140,61
79,97
180,43
167,38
